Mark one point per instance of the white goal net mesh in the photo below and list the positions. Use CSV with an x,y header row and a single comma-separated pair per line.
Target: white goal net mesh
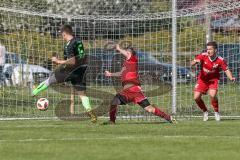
x,y
29,32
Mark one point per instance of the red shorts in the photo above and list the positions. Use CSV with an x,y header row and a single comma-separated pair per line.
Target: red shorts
x,y
204,86
133,94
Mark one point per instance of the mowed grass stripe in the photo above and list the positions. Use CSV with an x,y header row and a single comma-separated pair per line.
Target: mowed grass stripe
x,y
123,138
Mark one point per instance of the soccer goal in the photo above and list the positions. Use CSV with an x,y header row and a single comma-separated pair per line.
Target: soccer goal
x,y
30,33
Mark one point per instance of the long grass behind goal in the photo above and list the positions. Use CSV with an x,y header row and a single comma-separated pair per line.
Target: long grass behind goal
x,y
29,31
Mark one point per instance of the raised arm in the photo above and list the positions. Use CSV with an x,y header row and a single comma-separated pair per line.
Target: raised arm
x,y
124,52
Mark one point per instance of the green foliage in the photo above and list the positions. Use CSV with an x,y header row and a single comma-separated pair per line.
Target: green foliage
x,y
160,6
35,47
100,7
37,6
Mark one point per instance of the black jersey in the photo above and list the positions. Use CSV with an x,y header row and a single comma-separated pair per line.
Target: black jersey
x,y
74,48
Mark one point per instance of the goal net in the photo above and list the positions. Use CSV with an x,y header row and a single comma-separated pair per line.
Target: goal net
x,y
29,32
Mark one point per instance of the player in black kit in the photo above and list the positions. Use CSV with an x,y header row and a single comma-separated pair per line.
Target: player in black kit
x,y
72,69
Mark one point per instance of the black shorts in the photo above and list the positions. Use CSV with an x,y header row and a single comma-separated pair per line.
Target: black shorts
x,y
75,75
78,78
123,101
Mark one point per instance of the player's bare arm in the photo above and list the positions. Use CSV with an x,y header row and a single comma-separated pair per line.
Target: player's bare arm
x,y
115,74
110,74
59,61
194,62
123,52
229,75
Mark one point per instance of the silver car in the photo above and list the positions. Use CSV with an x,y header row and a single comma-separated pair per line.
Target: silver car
x,y
18,72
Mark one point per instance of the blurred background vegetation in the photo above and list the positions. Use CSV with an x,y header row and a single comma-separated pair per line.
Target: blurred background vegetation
x,y
34,33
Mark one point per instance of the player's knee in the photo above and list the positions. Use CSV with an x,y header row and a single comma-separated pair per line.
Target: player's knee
x,y
145,104
150,109
82,94
116,101
52,78
213,97
197,98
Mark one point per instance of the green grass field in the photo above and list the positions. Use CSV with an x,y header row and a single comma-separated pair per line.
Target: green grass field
x,y
69,140
127,140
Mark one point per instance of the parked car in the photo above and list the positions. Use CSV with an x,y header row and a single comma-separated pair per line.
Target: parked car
x,y
226,24
161,71
27,73
149,68
17,72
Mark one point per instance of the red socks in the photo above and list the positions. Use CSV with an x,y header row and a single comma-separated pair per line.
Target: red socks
x,y
157,112
201,105
112,113
215,104
160,113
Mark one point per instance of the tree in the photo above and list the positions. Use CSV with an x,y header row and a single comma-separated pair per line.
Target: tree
x,y
97,7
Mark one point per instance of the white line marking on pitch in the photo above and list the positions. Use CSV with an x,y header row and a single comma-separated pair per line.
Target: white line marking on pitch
x,y
114,138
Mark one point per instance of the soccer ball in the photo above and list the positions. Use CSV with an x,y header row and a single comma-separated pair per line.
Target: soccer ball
x,y
42,104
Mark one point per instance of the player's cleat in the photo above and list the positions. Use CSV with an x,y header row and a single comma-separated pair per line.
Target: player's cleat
x,y
173,120
108,123
217,116
205,116
40,87
93,116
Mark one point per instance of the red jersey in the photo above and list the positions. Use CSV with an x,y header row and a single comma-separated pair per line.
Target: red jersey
x,y
130,73
210,69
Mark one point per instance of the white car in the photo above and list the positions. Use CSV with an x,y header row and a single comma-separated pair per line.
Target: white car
x,y
17,72
28,74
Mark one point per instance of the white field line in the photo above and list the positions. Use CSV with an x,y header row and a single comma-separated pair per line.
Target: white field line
x,y
101,117
119,138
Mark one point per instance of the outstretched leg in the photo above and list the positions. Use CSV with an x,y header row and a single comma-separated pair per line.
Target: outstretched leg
x,y
156,111
44,85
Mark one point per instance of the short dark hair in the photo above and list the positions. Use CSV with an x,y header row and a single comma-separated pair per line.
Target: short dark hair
x,y
214,44
131,49
67,29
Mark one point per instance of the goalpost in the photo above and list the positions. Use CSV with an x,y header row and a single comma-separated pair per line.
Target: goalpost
x,y
30,33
